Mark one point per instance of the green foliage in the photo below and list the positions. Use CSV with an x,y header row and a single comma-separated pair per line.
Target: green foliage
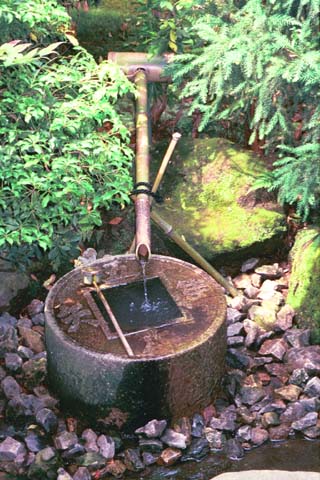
x,y
260,65
59,165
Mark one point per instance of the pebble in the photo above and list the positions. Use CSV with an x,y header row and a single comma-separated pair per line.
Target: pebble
x,y
32,339
234,329
151,445
48,420
233,449
249,264
269,271
183,425
153,429
308,420
289,392
82,474
13,362
8,339
10,449
63,474
259,436
197,425
90,438
216,438
106,446
275,347
299,377
65,440
132,460
10,387
174,439
169,456
312,388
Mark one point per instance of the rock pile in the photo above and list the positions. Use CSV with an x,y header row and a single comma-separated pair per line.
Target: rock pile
x,y
270,392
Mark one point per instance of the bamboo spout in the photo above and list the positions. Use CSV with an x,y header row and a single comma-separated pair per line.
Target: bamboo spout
x,y
142,204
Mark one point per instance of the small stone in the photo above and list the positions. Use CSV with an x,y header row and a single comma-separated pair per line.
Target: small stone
x,y
106,446
149,458
47,419
47,454
216,438
115,468
305,357
275,347
132,460
298,338
270,419
82,474
312,389
251,395
234,329
233,449
7,319
242,281
35,307
289,392
312,432
299,377
311,404
91,460
73,453
307,421
197,425
237,359
227,424
65,440
235,341
169,456
32,339
183,425
8,339
259,436
90,438
263,316
256,280
25,352
10,449
209,412
24,322
269,271
13,362
244,433
251,291
38,319
174,439
153,429
63,474
239,302
197,450
233,316
284,318
257,362
249,264
279,370
294,412
10,387
267,290
151,445
280,433
246,415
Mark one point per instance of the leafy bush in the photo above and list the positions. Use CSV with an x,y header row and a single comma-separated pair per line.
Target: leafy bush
x,y
259,65
59,164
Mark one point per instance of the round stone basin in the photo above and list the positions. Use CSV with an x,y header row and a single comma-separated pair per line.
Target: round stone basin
x,y
179,348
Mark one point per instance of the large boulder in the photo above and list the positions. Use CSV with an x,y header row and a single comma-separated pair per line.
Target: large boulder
x,y
209,199
304,286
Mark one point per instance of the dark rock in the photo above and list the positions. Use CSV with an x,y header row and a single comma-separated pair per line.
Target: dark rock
x,y
298,338
10,449
47,419
45,465
3,373
35,307
249,264
90,438
234,329
7,319
82,474
197,425
259,436
35,442
24,405
277,434
153,429
149,458
251,395
174,439
151,445
32,339
233,449
299,377
216,438
307,421
270,419
276,347
65,440
13,362
312,432
38,319
73,453
10,387
24,322
169,456
8,339
91,460
311,404
312,389
106,446
237,359
289,392
25,352
197,450
132,460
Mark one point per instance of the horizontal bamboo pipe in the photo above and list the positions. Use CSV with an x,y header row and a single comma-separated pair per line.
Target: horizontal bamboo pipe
x,y
168,230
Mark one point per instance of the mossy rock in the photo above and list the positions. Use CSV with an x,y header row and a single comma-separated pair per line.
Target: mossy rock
x,y
209,199
304,287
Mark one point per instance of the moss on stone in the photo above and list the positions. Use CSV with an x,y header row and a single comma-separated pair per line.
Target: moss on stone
x,y
209,198
304,288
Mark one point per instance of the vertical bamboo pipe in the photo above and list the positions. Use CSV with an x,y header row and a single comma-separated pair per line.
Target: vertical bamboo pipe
x,y
142,203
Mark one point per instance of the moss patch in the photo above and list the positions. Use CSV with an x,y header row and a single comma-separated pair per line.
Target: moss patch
x,y
304,288
209,199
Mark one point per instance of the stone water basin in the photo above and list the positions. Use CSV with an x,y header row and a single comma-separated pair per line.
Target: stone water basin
x,y
178,357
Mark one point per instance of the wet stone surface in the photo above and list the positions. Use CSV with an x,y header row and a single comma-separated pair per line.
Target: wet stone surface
x,y
270,394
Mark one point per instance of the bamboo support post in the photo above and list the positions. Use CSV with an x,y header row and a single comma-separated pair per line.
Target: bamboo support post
x,y
168,230
113,320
